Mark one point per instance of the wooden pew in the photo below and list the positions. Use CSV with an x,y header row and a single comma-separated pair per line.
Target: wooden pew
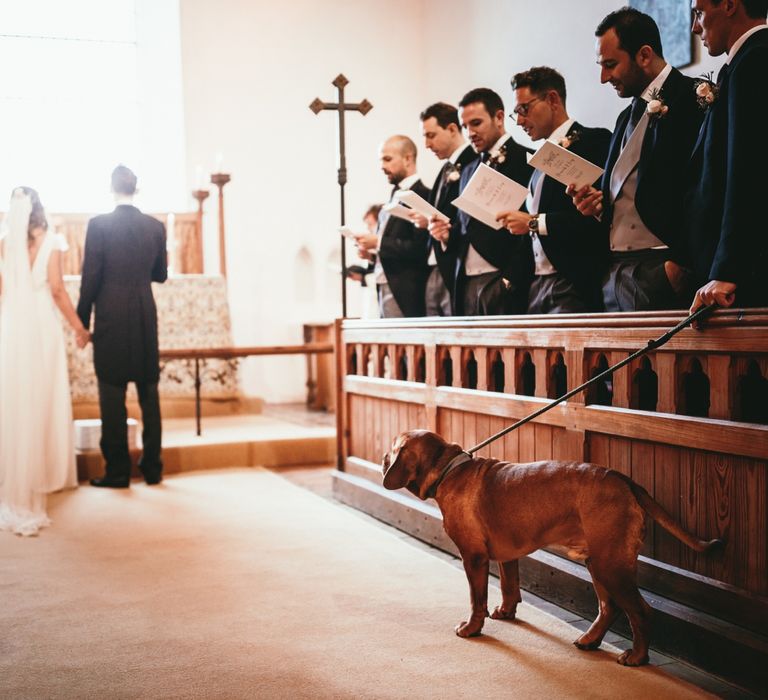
x,y
689,422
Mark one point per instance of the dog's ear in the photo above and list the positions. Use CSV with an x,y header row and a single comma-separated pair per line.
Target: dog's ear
x,y
397,474
414,461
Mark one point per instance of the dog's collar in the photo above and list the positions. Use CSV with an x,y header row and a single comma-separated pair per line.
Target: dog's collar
x,y
457,461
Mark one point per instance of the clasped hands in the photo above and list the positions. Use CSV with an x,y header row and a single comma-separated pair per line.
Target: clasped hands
x,y
82,337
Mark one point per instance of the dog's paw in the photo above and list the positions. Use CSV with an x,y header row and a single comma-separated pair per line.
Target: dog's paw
x,y
631,658
502,613
586,644
468,629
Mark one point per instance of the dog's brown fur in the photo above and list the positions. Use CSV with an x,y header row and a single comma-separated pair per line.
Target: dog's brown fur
x,y
501,511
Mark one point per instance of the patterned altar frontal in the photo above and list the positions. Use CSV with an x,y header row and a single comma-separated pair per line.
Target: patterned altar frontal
x,y
192,312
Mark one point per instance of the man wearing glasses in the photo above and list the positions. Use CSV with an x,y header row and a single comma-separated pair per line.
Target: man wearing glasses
x,y
568,248
642,187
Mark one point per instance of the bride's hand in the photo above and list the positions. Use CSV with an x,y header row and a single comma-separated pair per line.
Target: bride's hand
x,y
83,338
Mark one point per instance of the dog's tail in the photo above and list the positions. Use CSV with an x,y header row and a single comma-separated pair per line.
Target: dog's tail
x,y
650,506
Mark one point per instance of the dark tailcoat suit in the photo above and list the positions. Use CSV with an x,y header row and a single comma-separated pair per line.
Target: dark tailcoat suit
x,y
663,163
444,191
575,244
403,255
124,252
727,233
510,254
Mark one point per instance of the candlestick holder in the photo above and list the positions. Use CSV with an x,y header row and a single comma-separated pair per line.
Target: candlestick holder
x,y
221,179
194,258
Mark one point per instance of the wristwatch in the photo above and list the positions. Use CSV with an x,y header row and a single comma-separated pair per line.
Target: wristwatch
x,y
533,224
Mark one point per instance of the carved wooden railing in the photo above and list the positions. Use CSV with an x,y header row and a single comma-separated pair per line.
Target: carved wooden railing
x,y
687,421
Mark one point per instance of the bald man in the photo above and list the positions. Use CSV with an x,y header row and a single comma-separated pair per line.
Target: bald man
x,y
398,248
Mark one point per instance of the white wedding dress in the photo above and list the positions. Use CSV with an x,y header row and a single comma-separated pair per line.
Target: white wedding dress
x,y
37,453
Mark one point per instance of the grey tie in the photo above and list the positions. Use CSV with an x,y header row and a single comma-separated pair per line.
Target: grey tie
x,y
442,182
535,186
638,107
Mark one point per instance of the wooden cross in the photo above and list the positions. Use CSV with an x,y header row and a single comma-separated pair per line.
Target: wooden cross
x,y
341,107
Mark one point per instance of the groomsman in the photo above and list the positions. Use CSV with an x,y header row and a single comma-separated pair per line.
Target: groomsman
x,y
442,135
643,183
725,203
494,268
398,249
569,250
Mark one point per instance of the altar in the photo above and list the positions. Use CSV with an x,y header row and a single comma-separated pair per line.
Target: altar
x,y
193,312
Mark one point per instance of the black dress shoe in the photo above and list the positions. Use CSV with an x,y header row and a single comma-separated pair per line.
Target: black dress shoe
x,y
153,479
111,482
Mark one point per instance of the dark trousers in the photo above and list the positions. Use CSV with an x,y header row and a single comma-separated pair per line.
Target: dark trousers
x,y
637,281
555,294
114,430
437,298
488,294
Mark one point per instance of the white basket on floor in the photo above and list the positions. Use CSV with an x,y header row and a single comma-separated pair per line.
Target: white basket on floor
x,y
88,434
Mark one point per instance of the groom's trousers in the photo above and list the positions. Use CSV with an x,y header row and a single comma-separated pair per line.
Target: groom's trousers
x,y
114,430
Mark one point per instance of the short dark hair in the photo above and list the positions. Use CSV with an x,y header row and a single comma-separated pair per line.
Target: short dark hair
x,y
491,100
755,9
373,211
123,180
443,113
634,29
540,79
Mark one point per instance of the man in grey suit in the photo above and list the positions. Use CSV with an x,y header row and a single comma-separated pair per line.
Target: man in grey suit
x,y
640,201
125,252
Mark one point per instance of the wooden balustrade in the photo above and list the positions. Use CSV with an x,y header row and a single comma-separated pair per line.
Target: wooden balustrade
x,y
688,421
196,356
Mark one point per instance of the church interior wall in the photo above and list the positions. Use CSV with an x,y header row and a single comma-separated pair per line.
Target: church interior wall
x,y
250,70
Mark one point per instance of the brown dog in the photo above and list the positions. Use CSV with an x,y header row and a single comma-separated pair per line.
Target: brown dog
x,y
501,511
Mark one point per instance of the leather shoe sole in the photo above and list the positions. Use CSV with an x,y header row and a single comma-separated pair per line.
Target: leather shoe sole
x,y
153,480
111,483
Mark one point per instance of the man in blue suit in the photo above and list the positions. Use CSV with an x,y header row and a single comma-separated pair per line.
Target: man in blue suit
x,y
494,268
727,234
569,251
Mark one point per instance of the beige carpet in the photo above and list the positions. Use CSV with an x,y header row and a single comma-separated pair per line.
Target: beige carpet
x,y
238,584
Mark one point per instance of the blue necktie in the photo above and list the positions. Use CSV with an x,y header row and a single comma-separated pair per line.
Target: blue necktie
x,y
638,107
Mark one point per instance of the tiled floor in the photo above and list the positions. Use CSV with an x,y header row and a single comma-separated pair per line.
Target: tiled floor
x,y
318,480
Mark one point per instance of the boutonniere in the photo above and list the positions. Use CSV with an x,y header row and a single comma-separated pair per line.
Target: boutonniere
x,y
453,172
498,157
571,138
706,90
656,108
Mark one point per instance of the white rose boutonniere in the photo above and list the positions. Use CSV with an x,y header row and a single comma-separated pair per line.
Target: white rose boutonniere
x,y
498,157
453,172
706,90
656,108
568,140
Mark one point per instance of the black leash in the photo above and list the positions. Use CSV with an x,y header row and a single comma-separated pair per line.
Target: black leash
x,y
652,345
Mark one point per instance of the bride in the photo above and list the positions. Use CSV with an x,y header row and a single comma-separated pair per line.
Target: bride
x,y
36,432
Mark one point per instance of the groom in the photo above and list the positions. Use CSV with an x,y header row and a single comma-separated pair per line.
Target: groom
x,y
124,252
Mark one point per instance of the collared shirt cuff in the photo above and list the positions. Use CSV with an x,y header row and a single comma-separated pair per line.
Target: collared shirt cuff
x,y
542,224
